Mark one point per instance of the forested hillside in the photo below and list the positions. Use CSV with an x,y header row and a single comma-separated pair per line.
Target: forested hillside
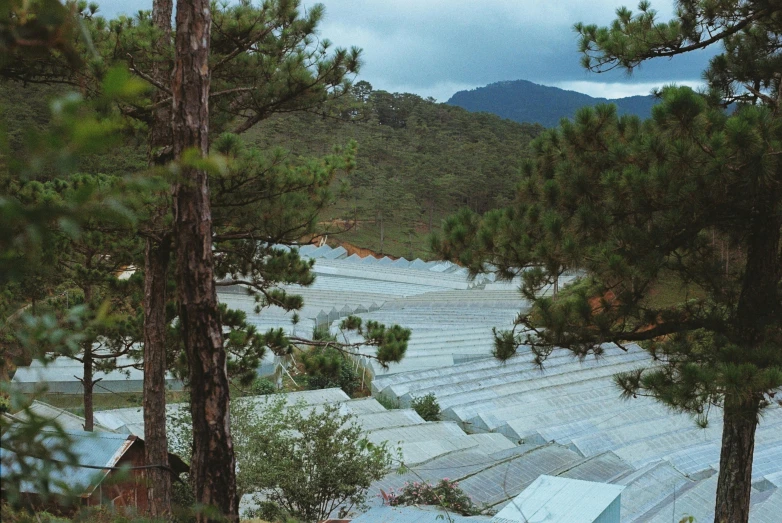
x,y
26,109
524,101
417,161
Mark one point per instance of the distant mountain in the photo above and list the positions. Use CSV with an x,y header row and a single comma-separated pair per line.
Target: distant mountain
x,y
525,101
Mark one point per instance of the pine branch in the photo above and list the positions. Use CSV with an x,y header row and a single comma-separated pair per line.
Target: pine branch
x,y
145,76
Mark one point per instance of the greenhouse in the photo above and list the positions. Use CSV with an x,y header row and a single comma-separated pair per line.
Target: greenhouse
x,y
503,424
63,376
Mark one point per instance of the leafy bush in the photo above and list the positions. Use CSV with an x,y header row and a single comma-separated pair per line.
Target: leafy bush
x,y
9,514
445,494
269,511
262,387
427,407
308,462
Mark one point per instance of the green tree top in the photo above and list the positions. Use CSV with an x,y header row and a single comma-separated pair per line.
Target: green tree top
x,y
748,30
691,196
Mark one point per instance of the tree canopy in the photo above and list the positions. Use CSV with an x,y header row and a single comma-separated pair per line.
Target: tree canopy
x,y
690,197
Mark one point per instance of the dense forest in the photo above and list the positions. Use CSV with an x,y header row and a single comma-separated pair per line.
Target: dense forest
x,y
418,161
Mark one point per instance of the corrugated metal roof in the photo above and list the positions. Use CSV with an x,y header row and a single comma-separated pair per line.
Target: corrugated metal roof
x,y
91,449
552,499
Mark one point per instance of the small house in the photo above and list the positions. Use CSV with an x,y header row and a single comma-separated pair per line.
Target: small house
x,y
107,469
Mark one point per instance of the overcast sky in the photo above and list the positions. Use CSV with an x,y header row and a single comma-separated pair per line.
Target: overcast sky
x,y
437,47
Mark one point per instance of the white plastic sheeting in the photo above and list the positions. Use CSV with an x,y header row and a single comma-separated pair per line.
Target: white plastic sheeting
x,y
576,407
63,375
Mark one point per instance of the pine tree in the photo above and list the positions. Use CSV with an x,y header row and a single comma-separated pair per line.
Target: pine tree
x,y
91,264
263,60
46,209
157,257
635,204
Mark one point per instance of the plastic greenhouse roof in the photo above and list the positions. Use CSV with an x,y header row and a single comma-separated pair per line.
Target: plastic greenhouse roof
x,y
413,515
551,499
66,420
605,468
648,487
767,511
697,500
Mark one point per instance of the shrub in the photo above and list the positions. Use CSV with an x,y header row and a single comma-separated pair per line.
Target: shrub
x,y
262,386
427,407
445,494
308,462
269,511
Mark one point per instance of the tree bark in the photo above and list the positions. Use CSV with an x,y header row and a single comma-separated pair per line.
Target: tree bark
x,y
87,386
156,259
87,382
734,482
756,310
160,145
213,463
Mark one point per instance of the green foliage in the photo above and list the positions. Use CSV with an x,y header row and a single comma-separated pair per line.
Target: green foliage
x,y
183,500
262,387
427,407
692,194
445,494
572,211
308,461
391,342
270,511
388,403
46,208
10,515
417,161
328,367
747,32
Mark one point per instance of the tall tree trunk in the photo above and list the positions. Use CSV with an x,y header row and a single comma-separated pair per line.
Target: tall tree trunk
x,y
213,463
87,384
160,146
156,261
756,310
734,482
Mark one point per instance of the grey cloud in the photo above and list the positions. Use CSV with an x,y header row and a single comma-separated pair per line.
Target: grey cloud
x,y
425,46
421,44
